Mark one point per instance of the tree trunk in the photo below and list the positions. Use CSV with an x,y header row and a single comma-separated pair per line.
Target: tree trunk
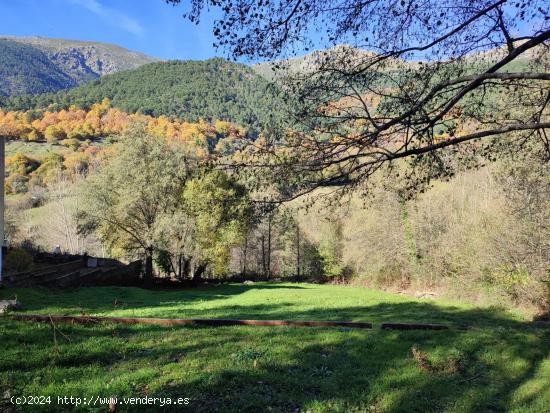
x,y
264,262
199,271
410,240
244,256
186,267
173,269
269,247
148,263
297,250
180,266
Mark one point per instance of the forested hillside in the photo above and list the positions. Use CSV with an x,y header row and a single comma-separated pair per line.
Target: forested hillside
x,y
190,90
25,70
34,65
76,57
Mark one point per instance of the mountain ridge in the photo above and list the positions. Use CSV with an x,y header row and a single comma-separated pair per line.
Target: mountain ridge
x,y
79,60
309,62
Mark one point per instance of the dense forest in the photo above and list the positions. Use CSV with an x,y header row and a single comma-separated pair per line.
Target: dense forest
x,y
34,65
190,90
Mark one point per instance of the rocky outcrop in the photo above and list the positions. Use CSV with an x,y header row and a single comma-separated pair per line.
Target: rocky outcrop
x,y
85,62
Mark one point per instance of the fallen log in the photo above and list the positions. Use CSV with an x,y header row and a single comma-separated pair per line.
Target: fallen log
x,y
413,326
187,322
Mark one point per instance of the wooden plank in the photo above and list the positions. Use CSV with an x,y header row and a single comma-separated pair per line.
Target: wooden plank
x,y
413,326
186,322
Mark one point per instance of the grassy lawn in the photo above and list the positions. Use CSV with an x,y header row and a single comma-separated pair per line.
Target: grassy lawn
x,y
489,361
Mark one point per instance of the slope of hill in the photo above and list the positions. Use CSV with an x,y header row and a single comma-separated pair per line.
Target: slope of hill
x,y
25,69
74,61
274,70
211,89
537,57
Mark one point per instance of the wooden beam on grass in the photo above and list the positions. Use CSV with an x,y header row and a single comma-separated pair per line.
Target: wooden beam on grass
x,y
413,326
187,322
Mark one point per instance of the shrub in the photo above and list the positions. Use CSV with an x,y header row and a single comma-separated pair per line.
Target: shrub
x,y
18,260
53,134
392,275
72,143
28,200
33,136
163,261
17,184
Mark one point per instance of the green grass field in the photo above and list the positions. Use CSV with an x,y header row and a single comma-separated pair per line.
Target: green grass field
x,y
490,360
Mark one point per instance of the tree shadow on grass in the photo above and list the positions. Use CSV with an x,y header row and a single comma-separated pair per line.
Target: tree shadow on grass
x,y
476,370
95,300
497,364
182,304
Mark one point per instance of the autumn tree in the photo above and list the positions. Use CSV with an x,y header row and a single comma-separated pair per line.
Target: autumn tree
x,y
132,191
75,127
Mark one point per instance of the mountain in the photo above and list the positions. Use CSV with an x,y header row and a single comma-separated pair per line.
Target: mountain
x,y
537,57
274,70
190,90
25,69
33,65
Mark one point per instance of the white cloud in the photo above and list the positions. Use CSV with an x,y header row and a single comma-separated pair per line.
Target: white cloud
x,y
112,16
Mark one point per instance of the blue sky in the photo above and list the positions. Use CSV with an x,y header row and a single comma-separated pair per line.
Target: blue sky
x,y
148,26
